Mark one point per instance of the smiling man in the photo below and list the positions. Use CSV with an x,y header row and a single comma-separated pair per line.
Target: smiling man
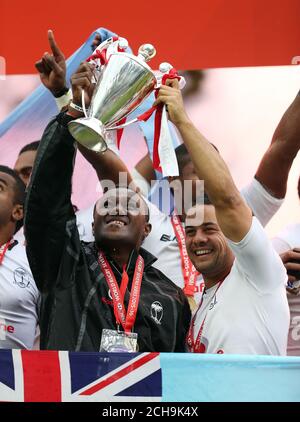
x,y
104,295
243,309
19,297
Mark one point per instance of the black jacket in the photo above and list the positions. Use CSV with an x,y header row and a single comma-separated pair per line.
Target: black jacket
x,y
75,300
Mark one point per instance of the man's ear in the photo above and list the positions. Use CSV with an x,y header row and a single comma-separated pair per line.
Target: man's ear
x,y
17,213
147,230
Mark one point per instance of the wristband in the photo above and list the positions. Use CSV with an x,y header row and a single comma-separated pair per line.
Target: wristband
x,y
61,93
64,100
76,107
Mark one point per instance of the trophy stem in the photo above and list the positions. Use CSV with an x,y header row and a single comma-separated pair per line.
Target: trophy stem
x,y
89,132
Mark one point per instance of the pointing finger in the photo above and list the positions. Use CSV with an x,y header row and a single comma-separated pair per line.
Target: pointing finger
x,y
54,47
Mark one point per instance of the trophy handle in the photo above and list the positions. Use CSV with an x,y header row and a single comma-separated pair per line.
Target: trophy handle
x,y
121,126
83,104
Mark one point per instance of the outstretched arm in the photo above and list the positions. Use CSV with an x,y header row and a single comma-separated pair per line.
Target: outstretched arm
x,y
48,206
281,152
234,216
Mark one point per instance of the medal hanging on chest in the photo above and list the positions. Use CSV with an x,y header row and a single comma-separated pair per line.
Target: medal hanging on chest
x,y
118,342
126,340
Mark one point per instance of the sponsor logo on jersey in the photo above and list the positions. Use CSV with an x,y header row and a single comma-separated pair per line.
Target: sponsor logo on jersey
x,y
167,238
5,328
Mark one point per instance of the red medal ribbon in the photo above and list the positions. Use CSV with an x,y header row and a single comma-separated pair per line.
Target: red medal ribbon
x,y
3,250
189,272
126,319
124,282
195,346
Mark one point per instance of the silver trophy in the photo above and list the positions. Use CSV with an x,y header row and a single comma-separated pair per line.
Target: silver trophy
x,y
123,83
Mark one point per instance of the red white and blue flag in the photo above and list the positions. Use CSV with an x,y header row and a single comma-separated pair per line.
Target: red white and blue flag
x,y
50,376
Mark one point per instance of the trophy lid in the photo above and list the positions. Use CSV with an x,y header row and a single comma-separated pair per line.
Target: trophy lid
x,y
146,52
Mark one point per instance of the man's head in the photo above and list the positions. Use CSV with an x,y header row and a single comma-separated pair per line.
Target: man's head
x,y
206,244
185,164
121,218
12,198
187,183
25,161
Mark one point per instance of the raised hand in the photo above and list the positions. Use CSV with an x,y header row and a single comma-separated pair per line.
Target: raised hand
x,y
170,95
83,79
52,68
291,261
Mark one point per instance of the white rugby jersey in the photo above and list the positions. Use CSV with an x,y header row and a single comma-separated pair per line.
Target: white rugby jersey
x,y
249,313
19,300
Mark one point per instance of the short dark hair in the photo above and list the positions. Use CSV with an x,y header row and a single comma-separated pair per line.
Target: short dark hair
x,y
183,156
33,146
19,187
19,190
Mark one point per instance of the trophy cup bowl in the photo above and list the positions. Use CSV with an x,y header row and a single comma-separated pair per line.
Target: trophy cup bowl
x,y
125,81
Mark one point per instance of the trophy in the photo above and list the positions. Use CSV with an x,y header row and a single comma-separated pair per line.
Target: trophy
x,y
124,81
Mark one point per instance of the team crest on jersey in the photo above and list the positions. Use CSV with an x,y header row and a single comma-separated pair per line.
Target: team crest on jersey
x,y
22,278
157,312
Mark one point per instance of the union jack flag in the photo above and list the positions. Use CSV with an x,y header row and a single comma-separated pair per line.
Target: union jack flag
x,y
49,376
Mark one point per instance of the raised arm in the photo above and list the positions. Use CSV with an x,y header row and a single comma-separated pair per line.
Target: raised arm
x,y
52,71
48,206
234,216
281,152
